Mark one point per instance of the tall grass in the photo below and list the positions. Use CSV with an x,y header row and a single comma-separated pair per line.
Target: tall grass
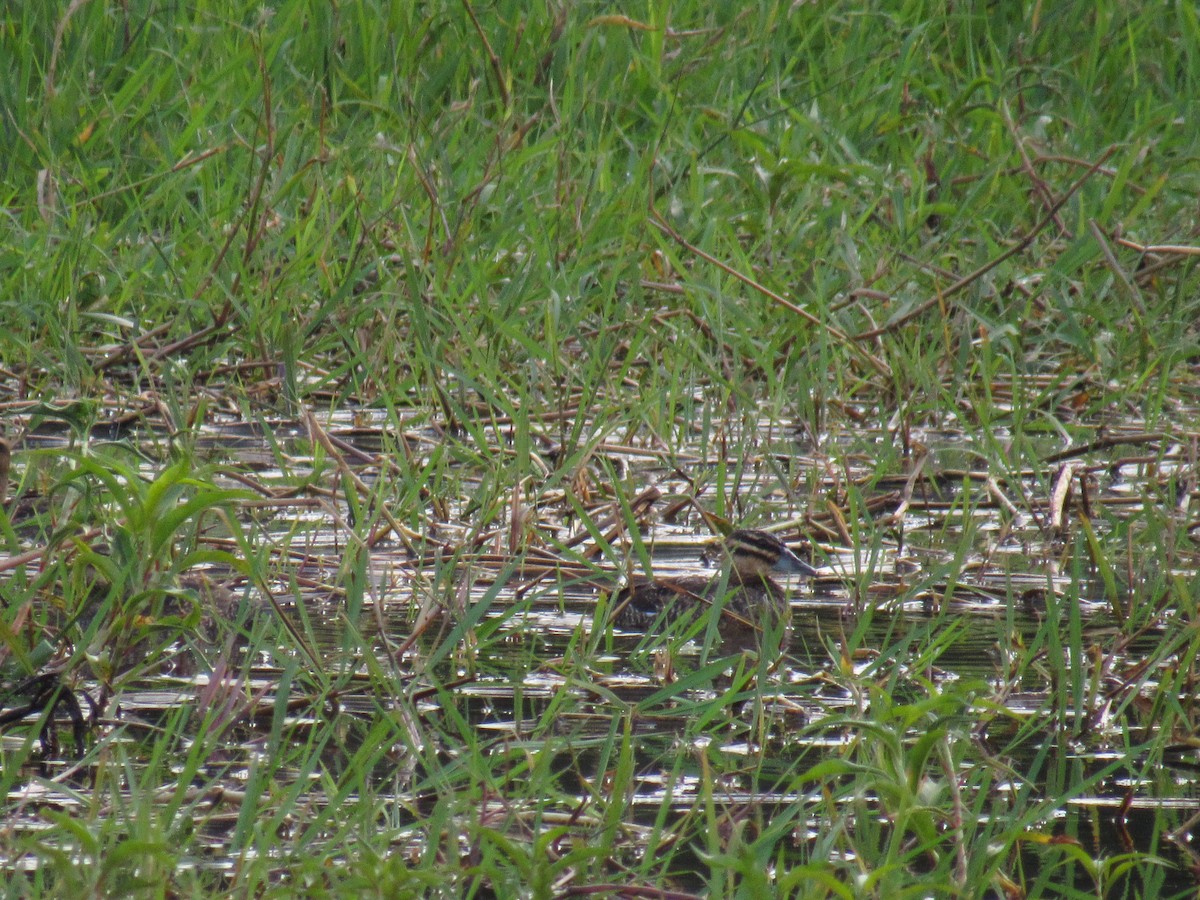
x,y
551,258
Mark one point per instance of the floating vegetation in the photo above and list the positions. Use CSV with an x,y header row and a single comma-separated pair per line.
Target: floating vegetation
x,y
360,356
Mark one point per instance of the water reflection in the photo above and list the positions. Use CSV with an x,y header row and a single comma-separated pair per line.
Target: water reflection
x,y
961,580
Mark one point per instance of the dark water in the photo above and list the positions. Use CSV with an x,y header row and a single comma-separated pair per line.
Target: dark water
x,y
909,612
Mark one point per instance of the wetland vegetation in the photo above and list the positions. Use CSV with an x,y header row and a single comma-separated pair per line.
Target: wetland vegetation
x,y
355,354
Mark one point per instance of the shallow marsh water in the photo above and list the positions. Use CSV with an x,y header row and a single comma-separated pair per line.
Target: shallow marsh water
x,y
968,568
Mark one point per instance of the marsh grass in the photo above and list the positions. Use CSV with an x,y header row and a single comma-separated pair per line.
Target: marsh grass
x,y
374,314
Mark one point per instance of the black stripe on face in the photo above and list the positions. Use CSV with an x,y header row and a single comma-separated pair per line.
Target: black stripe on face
x,y
758,544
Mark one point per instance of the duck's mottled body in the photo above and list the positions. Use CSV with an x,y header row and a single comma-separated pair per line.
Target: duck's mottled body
x,y
750,602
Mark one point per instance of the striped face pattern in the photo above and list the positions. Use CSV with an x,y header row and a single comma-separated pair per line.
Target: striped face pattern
x,y
755,553
748,601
